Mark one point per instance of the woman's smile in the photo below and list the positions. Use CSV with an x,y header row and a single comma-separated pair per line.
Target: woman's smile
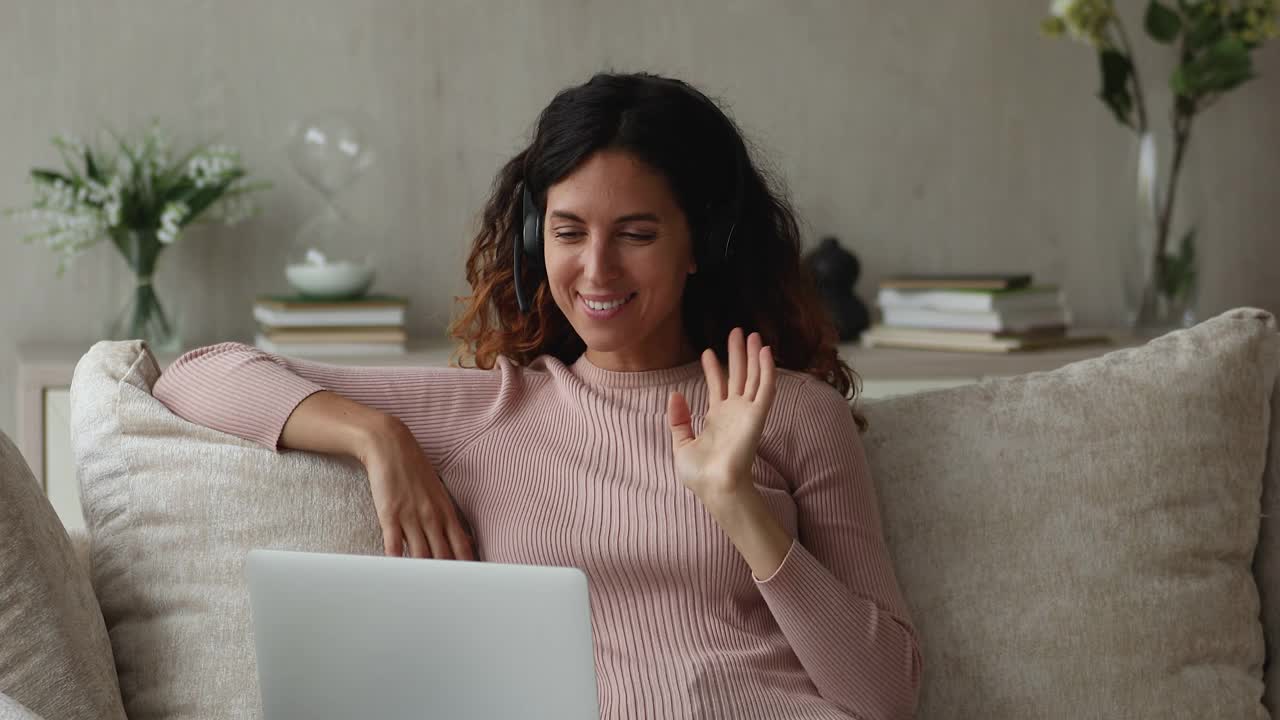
x,y
598,308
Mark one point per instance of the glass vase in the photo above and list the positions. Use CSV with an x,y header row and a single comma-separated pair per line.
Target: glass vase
x,y
143,316
1162,259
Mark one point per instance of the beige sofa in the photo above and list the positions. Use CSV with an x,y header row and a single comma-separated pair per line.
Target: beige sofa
x,y
1093,542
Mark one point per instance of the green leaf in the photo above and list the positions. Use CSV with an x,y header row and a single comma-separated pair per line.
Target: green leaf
x,y
1223,66
72,171
1178,271
1116,71
248,188
50,176
1189,82
1162,23
1206,29
1053,27
91,168
1230,51
178,168
1233,80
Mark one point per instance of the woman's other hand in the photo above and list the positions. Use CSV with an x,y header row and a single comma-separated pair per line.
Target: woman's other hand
x,y
416,513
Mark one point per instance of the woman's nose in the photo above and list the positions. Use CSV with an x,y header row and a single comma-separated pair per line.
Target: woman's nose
x,y
600,262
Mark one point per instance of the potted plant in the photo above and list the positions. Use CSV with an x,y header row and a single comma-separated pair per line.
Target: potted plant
x,y
142,200
1212,41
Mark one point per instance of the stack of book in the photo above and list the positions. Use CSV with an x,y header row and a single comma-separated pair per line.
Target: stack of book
x,y
972,313
298,326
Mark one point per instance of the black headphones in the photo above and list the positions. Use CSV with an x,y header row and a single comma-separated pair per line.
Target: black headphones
x,y
528,240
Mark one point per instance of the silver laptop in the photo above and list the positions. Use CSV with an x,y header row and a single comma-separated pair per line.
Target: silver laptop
x,y
350,636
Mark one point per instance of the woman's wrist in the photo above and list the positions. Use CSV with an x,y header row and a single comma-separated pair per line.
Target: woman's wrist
x,y
378,435
751,527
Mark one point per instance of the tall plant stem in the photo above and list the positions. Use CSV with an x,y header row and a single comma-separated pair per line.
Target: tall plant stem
x,y
1181,136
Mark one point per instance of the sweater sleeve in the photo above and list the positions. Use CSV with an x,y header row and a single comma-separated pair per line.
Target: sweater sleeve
x,y
835,596
249,393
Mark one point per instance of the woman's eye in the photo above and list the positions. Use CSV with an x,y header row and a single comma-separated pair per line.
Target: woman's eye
x,y
636,237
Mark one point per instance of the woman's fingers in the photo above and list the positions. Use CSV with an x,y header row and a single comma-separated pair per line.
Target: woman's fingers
x,y
715,377
753,367
460,543
413,535
768,378
392,540
737,362
434,528
679,420
746,363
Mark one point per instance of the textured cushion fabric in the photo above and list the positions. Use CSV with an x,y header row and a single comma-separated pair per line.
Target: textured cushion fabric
x,y
11,709
1267,561
173,510
1078,543
54,655
79,538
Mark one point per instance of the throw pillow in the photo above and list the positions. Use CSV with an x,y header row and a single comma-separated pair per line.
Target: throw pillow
x,y
1078,543
173,509
54,654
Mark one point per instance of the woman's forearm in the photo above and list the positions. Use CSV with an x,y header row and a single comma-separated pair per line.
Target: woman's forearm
x,y
327,422
754,531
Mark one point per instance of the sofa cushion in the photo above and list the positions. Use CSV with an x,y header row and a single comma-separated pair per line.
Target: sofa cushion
x,y
54,655
1078,543
11,709
173,509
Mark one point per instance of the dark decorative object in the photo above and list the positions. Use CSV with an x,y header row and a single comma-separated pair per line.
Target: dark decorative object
x,y
835,272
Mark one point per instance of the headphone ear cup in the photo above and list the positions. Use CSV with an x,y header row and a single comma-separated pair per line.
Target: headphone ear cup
x,y
532,228
532,236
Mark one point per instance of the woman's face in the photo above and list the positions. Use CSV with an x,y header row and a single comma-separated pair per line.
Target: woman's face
x,y
615,239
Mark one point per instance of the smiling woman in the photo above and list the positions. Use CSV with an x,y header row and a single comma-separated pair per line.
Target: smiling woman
x,y
724,516
722,249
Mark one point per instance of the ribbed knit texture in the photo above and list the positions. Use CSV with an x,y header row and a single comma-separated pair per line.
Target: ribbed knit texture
x,y
572,465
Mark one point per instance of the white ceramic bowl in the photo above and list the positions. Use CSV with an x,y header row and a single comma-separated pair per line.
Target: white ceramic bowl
x,y
337,280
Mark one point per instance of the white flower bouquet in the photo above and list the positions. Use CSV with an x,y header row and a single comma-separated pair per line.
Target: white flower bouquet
x,y
142,201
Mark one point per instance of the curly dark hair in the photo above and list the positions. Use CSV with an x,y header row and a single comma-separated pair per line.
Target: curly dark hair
x,y
760,285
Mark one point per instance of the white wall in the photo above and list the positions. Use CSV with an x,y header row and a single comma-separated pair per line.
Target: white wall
x,y
929,136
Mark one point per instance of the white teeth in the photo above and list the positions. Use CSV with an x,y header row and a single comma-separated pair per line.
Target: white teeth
x,y
606,306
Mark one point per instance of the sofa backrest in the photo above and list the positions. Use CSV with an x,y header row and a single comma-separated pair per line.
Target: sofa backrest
x,y
1071,543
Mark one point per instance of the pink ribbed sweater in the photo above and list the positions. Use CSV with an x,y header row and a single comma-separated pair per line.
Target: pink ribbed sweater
x,y
572,465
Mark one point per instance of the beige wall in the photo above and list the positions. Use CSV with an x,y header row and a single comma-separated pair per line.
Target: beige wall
x,y
930,136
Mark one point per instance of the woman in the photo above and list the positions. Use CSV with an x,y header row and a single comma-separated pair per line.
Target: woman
x,y
735,557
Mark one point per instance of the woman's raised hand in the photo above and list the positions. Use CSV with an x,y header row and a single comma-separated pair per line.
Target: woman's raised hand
x,y
716,464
